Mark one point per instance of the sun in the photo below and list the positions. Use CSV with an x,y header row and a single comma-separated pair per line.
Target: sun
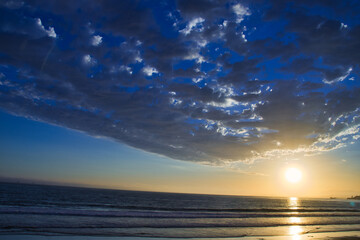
x,y
293,175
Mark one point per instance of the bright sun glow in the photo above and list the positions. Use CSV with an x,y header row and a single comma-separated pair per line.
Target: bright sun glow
x,y
293,175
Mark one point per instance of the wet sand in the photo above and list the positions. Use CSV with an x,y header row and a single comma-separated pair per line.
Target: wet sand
x,y
352,235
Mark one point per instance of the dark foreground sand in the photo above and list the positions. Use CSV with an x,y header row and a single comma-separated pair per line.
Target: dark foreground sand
x,y
354,235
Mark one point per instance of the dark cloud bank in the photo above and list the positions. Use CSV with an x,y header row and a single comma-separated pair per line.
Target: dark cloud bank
x,y
205,81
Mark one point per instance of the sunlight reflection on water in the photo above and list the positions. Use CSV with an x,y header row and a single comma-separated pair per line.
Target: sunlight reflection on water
x,y
293,203
296,230
295,220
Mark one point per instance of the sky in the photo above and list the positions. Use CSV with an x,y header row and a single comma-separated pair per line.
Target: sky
x,y
197,96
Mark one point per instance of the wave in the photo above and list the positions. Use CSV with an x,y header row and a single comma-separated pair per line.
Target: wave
x,y
243,209
183,209
260,213
60,218
178,225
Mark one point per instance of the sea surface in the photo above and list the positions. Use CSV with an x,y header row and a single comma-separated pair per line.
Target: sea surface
x,y
54,210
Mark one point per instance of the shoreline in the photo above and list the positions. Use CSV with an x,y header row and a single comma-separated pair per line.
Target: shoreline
x,y
346,235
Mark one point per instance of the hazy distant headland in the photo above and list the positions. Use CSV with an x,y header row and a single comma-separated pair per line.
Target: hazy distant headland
x,y
355,197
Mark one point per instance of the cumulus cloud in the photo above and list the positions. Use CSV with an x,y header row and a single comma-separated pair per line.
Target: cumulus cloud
x,y
240,11
149,71
96,40
50,32
88,60
189,86
27,25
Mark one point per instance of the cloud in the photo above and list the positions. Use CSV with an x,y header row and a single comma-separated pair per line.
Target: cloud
x,y
50,32
188,86
240,12
88,60
337,75
96,40
196,22
33,27
149,71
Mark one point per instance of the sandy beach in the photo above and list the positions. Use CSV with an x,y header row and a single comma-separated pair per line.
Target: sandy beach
x,y
351,235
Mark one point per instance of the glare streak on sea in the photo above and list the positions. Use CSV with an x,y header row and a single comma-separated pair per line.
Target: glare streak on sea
x,y
54,210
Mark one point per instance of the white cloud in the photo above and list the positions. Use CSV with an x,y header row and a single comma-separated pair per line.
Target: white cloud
x,y
195,55
202,42
96,40
175,101
323,144
240,12
192,24
343,25
137,57
228,91
341,139
88,60
225,23
122,68
339,79
197,80
226,104
125,68
243,37
149,71
138,43
50,32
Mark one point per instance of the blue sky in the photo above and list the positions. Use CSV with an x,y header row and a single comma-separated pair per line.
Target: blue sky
x,y
195,84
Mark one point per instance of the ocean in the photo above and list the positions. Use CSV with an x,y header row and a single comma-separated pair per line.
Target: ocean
x,y
71,211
